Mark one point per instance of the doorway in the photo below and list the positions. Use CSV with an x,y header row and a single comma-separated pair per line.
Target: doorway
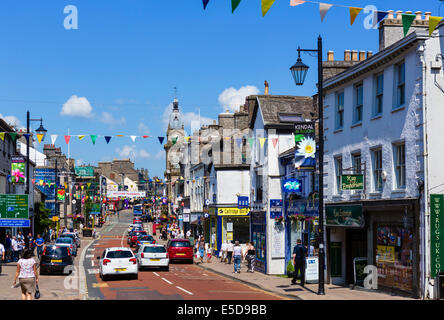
x,y
356,240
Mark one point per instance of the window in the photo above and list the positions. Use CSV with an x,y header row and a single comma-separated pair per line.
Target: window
x,y
338,170
377,169
258,186
357,167
339,110
379,93
400,165
400,85
359,101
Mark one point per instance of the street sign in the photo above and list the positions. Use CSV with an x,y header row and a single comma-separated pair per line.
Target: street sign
x,y
352,182
292,185
275,208
207,202
15,223
312,269
14,206
242,202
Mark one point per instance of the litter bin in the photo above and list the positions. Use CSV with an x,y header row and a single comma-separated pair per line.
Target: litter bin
x,y
439,285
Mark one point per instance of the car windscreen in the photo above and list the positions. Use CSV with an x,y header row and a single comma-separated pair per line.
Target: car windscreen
x,y
119,254
145,238
154,250
56,251
64,240
180,244
68,236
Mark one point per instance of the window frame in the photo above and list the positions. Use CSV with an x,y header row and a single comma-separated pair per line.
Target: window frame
x,y
399,85
378,96
358,106
377,170
338,172
399,168
339,113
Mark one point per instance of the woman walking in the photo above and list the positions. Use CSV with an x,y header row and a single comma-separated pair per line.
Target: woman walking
x,y
27,275
250,256
237,255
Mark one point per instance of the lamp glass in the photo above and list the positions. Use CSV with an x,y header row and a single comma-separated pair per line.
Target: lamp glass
x,y
299,72
42,130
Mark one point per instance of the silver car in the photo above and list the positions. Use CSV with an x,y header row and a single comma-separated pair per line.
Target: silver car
x,y
73,236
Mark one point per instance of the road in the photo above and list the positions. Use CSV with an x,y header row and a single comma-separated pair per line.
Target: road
x,y
182,282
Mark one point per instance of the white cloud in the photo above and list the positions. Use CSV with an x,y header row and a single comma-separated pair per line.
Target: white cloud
x,y
143,129
77,107
11,120
108,118
132,152
232,99
159,155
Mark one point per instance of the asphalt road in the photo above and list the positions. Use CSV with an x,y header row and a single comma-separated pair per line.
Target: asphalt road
x,y
181,282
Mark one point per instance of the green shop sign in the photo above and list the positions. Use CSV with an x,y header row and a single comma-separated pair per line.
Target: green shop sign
x,y
14,206
345,216
436,232
84,171
352,182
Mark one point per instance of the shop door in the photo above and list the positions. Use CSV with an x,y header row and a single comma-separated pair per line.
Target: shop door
x,y
356,247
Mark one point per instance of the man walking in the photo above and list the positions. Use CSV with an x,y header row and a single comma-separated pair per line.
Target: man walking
x,y
15,250
237,254
299,254
39,242
8,248
230,248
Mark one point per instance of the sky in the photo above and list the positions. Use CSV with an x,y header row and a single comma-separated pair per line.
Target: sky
x,y
116,73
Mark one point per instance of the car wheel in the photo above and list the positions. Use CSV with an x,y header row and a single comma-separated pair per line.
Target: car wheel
x,y
136,276
104,277
166,268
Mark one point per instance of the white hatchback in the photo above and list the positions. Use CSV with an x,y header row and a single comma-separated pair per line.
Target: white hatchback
x,y
118,261
153,255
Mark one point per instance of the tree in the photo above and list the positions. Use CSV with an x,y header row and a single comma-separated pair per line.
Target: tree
x,y
41,218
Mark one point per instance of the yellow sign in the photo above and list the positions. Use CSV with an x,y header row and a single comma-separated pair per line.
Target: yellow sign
x,y
55,218
229,236
233,212
386,254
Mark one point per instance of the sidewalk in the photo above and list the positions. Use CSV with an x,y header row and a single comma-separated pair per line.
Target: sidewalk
x,y
282,286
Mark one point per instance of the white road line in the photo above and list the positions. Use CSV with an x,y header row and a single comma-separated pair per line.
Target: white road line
x,y
89,256
90,249
205,274
156,274
92,263
93,271
166,281
190,293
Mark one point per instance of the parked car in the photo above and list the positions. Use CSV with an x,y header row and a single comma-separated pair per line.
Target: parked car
x,y
180,250
56,259
117,261
134,235
73,236
153,255
69,243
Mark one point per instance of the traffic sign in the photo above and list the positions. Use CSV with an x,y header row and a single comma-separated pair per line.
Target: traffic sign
x,y
14,206
74,201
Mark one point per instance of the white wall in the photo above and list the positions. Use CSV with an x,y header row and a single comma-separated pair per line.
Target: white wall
x,y
231,182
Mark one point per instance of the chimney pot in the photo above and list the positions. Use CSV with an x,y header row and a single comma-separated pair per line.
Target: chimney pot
x,y
347,55
369,54
361,55
266,87
330,56
427,15
409,12
354,55
399,15
390,14
418,15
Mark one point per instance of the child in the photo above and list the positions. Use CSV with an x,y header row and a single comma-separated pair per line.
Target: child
x,y
209,252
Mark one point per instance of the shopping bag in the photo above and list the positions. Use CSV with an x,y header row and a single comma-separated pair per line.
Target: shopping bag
x,y
37,292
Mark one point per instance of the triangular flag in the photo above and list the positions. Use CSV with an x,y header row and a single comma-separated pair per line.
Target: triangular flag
x,y
66,185
88,184
433,22
133,138
174,140
407,20
145,137
234,4
353,14
295,3
239,142
266,5
13,135
262,141
251,141
53,138
119,135
81,137
380,15
33,181
2,136
160,139
108,139
40,137
323,8
275,141
41,182
27,135
93,138
67,138
205,3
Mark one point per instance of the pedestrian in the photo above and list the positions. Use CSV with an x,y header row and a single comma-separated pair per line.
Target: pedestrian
x,y
2,256
19,236
21,247
237,254
188,233
299,254
250,256
230,248
15,250
39,242
201,249
27,275
209,253
8,248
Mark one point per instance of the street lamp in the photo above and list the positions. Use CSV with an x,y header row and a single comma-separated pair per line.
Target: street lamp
x,y
299,72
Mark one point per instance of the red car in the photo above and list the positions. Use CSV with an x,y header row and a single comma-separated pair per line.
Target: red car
x,y
132,239
180,249
137,221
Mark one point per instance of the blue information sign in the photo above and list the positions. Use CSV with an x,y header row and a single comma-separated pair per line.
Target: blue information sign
x,y
17,223
275,208
242,202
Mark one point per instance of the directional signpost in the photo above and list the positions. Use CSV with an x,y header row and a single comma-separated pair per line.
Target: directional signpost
x,y
14,210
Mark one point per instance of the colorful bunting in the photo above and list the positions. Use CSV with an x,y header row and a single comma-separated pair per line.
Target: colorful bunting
x,y
380,15
13,135
353,14
234,4
174,140
27,135
108,139
67,138
205,3
145,137
407,20
81,137
239,142
133,138
295,3
93,138
433,22
2,136
266,5
251,141
40,137
275,141
262,141
53,138
323,8
88,184
160,139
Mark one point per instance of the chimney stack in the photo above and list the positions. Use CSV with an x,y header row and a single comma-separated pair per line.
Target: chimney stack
x,y
399,15
354,55
330,56
347,55
361,55
369,54
427,15
390,14
418,15
266,87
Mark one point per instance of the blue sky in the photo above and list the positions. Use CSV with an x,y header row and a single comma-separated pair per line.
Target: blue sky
x,y
126,56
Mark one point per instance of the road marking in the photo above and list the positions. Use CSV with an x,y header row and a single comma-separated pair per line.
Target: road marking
x,y
92,263
156,274
190,293
100,285
89,256
166,281
93,271
205,274
90,249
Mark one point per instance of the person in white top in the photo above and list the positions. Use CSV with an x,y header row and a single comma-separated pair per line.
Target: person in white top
x,y
27,275
2,256
230,247
223,251
15,249
188,233
237,254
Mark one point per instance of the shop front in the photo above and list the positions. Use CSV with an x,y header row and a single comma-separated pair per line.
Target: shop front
x,y
259,238
233,224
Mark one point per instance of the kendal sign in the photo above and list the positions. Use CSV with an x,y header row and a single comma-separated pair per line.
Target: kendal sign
x,y
436,233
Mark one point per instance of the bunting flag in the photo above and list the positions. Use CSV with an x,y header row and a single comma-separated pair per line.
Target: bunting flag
x,y
380,15
40,137
174,140
295,3
275,141
13,135
323,8
93,138
33,181
27,135
353,14
205,3
81,137
119,135
407,20
145,137
133,138
67,138
160,139
53,138
262,141
2,136
234,4
239,142
88,184
41,182
266,5
433,23
108,139
66,185
251,141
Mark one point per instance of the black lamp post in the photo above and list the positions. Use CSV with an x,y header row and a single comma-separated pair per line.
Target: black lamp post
x,y
299,72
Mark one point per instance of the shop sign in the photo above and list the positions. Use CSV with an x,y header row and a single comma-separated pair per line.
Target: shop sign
x,y
436,232
186,217
352,182
304,138
84,171
306,207
14,206
358,270
292,185
275,208
312,269
233,212
242,202
345,216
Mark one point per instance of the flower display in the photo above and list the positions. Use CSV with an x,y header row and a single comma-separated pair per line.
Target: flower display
x,y
306,148
17,174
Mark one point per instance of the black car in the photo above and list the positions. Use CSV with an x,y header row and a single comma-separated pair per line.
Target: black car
x,y
56,259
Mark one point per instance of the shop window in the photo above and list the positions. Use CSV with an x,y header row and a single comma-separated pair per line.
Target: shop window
x,y
236,229
394,256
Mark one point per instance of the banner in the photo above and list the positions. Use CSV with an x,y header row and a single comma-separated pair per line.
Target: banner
x,y
304,137
18,170
436,232
61,195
